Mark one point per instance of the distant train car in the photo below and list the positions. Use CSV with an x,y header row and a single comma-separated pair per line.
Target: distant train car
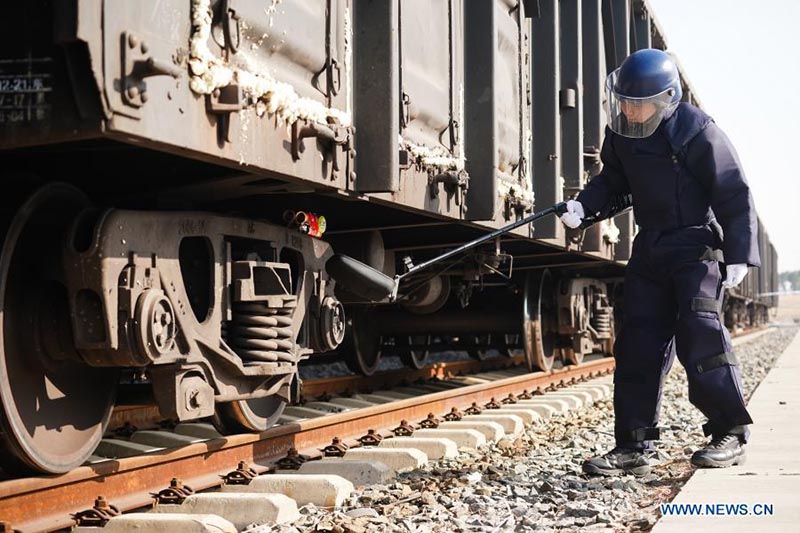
x,y
177,174
749,303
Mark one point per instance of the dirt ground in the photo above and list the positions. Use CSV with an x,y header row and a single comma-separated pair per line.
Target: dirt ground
x,y
788,308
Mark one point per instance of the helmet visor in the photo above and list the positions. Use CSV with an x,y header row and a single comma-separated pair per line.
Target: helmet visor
x,y
636,117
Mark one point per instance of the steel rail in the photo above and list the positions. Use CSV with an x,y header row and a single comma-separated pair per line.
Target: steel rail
x,y
144,415
444,370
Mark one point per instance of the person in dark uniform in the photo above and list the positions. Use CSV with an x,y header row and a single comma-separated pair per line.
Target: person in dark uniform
x,y
698,235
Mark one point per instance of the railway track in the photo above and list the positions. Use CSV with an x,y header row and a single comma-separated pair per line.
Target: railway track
x,y
146,414
47,503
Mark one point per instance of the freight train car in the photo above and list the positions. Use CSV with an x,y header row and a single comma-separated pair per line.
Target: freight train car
x,y
177,174
749,303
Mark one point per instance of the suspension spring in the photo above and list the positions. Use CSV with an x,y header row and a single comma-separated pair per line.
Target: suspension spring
x,y
601,321
261,333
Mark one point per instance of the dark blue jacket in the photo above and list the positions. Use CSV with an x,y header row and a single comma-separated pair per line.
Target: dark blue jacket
x,y
685,174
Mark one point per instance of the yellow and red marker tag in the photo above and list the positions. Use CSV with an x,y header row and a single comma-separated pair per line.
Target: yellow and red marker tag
x,y
310,224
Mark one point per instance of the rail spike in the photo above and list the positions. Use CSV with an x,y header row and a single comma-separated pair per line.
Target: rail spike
x,y
473,409
372,438
404,429
97,516
492,404
293,460
454,415
336,448
510,399
431,422
175,493
243,475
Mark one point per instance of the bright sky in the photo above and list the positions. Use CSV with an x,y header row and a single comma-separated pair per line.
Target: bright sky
x,y
742,59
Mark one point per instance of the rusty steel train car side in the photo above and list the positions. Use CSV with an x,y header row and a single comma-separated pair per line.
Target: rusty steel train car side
x,y
177,174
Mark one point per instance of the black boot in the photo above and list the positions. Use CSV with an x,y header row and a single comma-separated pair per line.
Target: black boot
x,y
620,461
722,451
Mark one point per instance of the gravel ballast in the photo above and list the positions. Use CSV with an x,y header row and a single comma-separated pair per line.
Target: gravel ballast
x,y
535,483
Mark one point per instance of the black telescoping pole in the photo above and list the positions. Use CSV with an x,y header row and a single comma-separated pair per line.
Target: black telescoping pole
x,y
374,285
559,209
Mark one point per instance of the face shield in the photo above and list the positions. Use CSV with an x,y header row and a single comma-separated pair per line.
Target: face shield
x,y
636,117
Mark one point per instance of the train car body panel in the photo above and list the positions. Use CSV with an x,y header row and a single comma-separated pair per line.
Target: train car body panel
x,y
409,75
180,78
190,87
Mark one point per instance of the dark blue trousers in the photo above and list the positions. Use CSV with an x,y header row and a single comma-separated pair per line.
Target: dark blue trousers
x,y
673,293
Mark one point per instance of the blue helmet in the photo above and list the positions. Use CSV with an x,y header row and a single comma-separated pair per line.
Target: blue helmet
x,y
642,92
647,73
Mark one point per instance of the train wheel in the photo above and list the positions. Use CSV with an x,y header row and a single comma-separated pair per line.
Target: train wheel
x,y
539,326
481,354
55,408
362,345
414,358
258,414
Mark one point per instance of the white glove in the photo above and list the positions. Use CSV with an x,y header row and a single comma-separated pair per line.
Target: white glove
x,y
572,218
735,275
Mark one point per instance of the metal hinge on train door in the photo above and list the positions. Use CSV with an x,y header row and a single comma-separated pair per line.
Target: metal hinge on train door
x,y
453,131
332,69
329,136
231,27
516,205
222,102
333,78
455,182
140,63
